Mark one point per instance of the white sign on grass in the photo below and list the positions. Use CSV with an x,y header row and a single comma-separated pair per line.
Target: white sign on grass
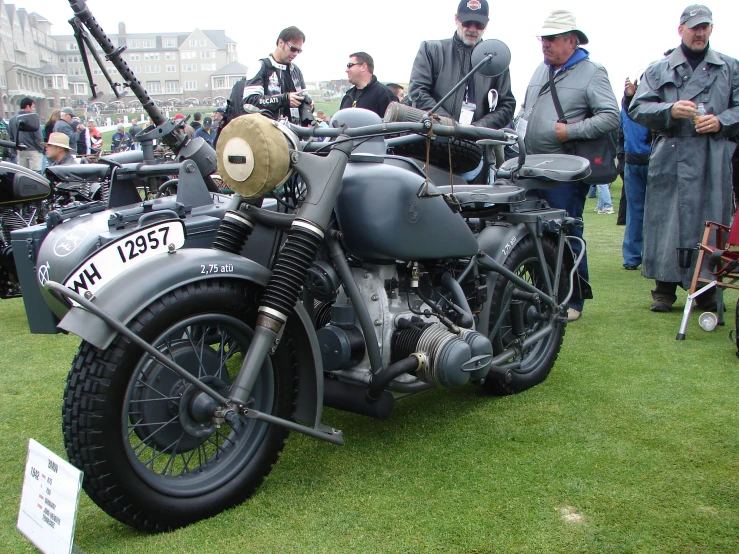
x,y
51,492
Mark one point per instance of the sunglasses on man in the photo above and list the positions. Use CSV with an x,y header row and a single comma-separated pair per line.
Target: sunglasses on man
x,y
476,24
294,49
352,64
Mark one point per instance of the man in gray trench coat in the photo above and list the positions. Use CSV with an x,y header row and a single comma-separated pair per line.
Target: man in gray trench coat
x,y
689,180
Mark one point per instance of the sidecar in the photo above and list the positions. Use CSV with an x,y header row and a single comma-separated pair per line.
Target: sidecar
x,y
63,248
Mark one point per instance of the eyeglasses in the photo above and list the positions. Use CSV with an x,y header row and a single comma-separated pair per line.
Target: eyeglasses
x,y
549,38
476,24
294,49
352,64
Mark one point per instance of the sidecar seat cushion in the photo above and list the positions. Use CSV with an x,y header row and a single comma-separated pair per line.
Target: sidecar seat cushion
x,y
253,155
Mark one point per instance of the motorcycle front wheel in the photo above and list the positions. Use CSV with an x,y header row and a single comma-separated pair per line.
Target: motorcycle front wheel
x,y
531,365
150,458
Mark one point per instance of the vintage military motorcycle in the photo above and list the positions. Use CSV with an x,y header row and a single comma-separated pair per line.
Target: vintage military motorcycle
x,y
196,363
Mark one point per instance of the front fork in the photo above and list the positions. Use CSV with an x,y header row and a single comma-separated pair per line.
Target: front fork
x,y
323,177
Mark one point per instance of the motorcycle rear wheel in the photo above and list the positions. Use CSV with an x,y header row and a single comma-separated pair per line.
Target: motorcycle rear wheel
x,y
536,362
130,425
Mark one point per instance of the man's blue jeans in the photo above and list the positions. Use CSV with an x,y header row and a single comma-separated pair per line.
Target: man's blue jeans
x,y
570,197
635,188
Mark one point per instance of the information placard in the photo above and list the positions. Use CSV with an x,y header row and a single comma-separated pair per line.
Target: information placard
x,y
51,492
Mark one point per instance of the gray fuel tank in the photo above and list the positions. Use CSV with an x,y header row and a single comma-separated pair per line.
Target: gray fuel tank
x,y
383,219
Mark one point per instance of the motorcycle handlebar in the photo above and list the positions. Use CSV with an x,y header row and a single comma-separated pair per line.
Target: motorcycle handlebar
x,y
462,132
11,144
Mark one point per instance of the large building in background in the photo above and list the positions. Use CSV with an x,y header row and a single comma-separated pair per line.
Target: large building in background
x,y
184,67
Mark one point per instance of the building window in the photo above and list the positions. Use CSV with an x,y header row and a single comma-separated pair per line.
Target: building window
x,y
219,82
170,56
189,67
133,44
153,69
60,82
96,71
188,55
206,54
154,87
71,46
151,56
171,69
172,86
134,57
79,88
193,42
207,67
49,82
61,59
191,85
169,43
147,43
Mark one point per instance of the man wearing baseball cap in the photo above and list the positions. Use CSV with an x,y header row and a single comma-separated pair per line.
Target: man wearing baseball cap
x,y
439,65
690,100
58,150
64,125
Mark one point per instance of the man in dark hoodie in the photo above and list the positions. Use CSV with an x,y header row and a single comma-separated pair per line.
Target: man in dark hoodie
x,y
367,92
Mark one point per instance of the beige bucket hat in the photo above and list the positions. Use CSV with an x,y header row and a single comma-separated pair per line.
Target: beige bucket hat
x,y
58,139
559,22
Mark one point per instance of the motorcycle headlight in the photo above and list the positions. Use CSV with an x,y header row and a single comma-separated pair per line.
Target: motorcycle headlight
x,y
253,155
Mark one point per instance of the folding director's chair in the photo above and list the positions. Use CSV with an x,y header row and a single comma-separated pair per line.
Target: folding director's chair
x,y
719,252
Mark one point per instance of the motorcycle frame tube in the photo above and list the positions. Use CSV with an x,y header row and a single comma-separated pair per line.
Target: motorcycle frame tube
x,y
352,291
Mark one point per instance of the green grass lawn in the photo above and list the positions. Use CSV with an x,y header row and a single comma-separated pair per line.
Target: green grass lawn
x,y
629,446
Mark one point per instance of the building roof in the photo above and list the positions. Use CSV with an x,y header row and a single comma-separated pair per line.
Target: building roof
x,y
50,69
218,38
39,17
234,68
76,79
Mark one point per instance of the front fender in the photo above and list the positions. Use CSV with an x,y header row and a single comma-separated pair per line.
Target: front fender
x,y
127,294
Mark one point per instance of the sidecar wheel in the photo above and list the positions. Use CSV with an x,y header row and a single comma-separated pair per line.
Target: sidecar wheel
x,y
150,460
536,361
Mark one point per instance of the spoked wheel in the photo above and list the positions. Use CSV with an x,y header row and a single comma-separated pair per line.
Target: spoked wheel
x,y
531,365
153,455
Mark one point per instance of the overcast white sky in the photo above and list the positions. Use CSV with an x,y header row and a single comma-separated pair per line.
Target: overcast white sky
x,y
624,36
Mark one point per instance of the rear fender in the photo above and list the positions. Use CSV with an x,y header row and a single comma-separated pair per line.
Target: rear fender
x,y
497,241
129,293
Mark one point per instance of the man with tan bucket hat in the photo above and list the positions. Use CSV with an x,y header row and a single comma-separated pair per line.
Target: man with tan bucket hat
x,y
589,109
58,151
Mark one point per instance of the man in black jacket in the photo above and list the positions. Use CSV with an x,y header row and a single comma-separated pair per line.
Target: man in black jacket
x,y
277,87
440,64
367,92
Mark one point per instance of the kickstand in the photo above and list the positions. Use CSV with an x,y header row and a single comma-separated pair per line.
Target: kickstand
x,y
689,307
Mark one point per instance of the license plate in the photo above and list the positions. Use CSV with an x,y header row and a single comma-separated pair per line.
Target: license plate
x,y
118,256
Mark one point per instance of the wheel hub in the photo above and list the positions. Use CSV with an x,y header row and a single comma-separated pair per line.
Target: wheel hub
x,y
170,413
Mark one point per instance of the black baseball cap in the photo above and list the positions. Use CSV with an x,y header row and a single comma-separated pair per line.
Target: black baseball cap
x,y
696,14
207,122
473,10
